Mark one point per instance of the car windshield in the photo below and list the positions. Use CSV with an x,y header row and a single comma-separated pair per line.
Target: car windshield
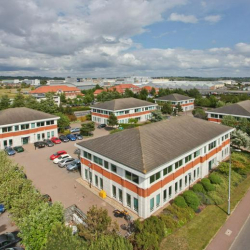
x,y
10,236
55,154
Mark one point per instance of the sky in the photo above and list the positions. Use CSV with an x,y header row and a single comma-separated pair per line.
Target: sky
x,y
112,38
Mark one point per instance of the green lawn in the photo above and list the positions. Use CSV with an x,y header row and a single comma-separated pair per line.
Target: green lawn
x,y
12,92
198,232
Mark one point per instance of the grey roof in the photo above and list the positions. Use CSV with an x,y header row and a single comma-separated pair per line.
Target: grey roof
x,y
146,147
123,103
240,108
174,97
16,115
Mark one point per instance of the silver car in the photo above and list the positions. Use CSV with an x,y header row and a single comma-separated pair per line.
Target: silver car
x,y
74,165
63,163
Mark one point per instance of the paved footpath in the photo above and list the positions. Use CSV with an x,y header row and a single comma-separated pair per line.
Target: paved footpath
x,y
230,230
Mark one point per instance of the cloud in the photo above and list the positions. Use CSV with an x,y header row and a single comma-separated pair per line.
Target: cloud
x,y
212,19
182,18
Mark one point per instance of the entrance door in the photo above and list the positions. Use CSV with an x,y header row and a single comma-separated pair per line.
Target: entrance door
x,y
25,140
210,165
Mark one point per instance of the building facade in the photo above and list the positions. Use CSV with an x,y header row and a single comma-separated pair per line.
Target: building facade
x,y
186,102
20,126
144,168
237,110
124,109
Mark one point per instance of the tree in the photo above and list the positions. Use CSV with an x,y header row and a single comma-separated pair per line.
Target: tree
x,y
220,104
31,102
4,102
194,93
19,100
97,223
244,125
87,128
106,242
35,227
240,139
63,122
87,99
112,120
48,105
156,116
128,93
229,120
167,108
152,91
143,94
213,101
43,82
63,98
179,107
199,113
60,237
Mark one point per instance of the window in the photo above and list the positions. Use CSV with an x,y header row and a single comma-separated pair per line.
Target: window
x,y
158,200
186,180
165,195
211,145
98,160
113,168
180,184
152,204
96,180
106,164
10,142
137,110
205,149
188,158
40,124
7,129
38,137
128,200
87,155
47,122
25,126
194,174
101,183
16,127
136,204
178,164
170,192
52,133
120,195
176,187
131,177
52,122
167,170
126,111
226,136
5,143
48,135
114,191
222,138
33,125
198,172
197,153
155,177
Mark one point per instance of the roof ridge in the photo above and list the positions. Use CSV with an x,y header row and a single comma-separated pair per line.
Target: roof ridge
x,y
141,148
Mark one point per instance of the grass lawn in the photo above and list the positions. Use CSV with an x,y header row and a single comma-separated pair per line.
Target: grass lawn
x,y
12,92
199,231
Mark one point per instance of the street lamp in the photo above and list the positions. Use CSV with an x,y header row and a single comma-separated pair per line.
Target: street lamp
x,y
229,182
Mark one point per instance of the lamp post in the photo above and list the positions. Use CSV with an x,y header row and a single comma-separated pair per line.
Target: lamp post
x,y
229,183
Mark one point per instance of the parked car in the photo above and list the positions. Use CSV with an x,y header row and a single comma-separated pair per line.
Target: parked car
x,y
78,136
46,198
2,208
71,137
63,138
9,151
101,126
57,160
73,130
39,144
57,154
15,248
74,165
67,127
18,149
48,142
63,163
55,140
9,239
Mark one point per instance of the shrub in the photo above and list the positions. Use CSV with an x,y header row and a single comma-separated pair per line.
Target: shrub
x,y
198,188
215,178
182,214
191,199
72,118
224,168
169,222
204,199
207,185
180,202
215,197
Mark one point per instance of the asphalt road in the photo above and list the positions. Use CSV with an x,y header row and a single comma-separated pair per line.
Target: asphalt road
x,y
242,242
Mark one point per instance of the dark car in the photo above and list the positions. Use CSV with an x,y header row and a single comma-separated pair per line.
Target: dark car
x,y
9,151
101,126
48,142
71,137
74,165
2,208
78,136
18,149
63,138
39,144
15,248
9,240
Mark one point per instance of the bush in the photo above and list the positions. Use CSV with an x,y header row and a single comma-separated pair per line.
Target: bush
x,y
198,188
215,178
72,118
88,117
180,202
207,185
204,199
191,199
169,222
216,197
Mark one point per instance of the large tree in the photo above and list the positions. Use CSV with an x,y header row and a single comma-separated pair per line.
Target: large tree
x,y
63,122
240,139
19,100
143,95
230,121
87,128
112,120
4,102
167,108
128,93
156,116
48,105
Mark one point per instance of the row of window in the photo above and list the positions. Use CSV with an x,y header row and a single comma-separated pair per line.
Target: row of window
x,y
26,126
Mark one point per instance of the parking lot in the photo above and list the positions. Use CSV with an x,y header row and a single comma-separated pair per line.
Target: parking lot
x,y
60,184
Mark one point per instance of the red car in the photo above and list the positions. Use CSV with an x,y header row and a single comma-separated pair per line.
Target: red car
x,y
55,140
57,154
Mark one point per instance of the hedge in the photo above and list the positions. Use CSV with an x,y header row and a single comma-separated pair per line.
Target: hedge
x,y
207,185
198,188
191,199
215,178
179,201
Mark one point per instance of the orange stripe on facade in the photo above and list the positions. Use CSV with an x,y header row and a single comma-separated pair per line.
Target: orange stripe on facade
x,y
29,131
214,120
156,186
187,104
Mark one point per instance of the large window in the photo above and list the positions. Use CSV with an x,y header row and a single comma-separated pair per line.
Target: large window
x,y
132,177
165,195
113,168
7,129
128,200
87,155
158,200
96,180
98,160
40,124
25,126
155,177
120,195
17,128
101,183
170,191
167,170
137,110
178,164
106,164
152,204
197,153
188,158
114,191
136,204
212,145
33,125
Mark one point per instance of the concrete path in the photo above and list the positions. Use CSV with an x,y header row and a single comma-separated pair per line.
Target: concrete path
x,y
229,232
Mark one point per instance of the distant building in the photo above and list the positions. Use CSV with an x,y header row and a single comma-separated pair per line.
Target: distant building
x,y
124,109
121,88
19,126
186,102
237,110
35,82
144,168
40,97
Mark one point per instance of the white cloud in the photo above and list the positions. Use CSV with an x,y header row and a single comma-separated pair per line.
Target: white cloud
x,y
212,19
182,18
